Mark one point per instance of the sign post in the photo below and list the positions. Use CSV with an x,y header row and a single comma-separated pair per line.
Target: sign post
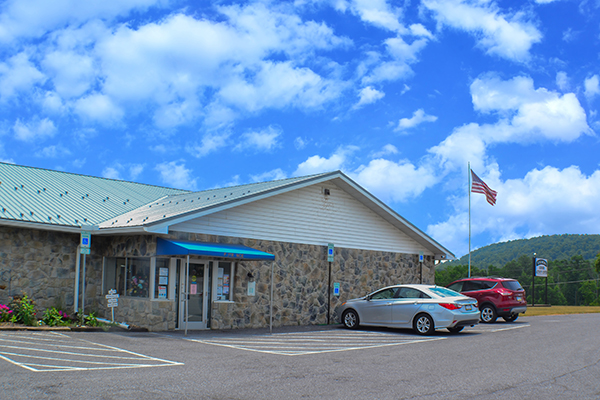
x,y
330,251
112,301
541,270
85,244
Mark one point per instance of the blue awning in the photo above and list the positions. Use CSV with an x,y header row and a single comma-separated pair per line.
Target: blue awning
x,y
168,247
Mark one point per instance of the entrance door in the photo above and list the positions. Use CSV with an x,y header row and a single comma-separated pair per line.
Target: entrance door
x,y
198,294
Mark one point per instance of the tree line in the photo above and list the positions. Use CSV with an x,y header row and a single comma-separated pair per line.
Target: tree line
x,y
574,281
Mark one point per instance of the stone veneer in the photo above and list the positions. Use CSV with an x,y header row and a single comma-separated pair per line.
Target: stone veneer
x,y
42,264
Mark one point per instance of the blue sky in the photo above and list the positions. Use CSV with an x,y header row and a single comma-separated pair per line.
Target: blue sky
x,y
398,95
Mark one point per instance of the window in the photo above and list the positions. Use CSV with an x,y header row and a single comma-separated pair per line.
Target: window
x,y
457,287
161,279
384,294
224,272
512,285
137,278
410,293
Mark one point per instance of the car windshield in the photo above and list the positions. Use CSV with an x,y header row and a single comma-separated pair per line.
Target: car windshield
x,y
444,292
512,285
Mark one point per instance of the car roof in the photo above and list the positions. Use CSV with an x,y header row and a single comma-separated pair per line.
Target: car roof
x,y
490,278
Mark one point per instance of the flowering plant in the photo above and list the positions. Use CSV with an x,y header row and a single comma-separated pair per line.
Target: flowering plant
x,y
54,317
6,314
24,310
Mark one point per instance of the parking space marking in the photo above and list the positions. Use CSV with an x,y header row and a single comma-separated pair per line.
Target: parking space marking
x,y
42,352
485,328
295,344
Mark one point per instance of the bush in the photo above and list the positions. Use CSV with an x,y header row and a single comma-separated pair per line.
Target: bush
x,y
24,310
6,314
54,317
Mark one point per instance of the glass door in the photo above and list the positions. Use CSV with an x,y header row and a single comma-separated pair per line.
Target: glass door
x,y
195,312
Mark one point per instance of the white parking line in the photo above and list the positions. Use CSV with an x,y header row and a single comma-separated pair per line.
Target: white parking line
x,y
46,352
295,344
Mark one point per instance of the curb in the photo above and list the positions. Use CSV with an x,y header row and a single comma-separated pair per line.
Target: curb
x,y
70,329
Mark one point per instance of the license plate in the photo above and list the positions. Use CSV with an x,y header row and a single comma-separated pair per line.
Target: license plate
x,y
468,307
519,298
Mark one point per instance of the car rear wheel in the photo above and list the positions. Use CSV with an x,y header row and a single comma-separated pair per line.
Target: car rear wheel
x,y
511,318
456,329
488,314
423,324
350,319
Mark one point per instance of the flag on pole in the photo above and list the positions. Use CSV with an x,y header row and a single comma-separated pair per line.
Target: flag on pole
x,y
479,186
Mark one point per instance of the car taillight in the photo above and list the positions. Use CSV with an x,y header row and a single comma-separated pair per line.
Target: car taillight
x,y
450,306
503,293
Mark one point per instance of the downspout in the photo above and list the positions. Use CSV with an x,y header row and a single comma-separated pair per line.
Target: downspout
x,y
186,293
77,267
271,305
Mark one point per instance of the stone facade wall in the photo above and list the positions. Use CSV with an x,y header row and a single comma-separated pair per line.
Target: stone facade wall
x,y
301,273
40,264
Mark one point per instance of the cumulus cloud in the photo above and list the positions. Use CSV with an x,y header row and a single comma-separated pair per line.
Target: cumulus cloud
x,y
505,35
592,87
417,118
34,130
388,149
263,140
176,175
562,81
54,151
395,181
368,95
317,164
275,174
531,206
18,74
111,173
99,108
209,143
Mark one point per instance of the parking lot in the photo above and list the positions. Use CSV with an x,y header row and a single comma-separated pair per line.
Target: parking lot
x,y
538,357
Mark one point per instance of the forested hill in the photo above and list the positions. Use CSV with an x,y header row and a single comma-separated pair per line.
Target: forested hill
x,y
554,247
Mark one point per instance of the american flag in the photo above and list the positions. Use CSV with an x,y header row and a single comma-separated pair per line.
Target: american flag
x,y
479,186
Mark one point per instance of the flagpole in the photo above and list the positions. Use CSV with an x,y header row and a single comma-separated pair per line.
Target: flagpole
x,y
469,188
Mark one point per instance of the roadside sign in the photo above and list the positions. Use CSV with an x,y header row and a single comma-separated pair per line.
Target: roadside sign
x,y
336,289
85,242
330,252
541,267
420,256
112,298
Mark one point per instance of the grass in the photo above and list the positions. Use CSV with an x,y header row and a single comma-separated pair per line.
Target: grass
x,y
557,310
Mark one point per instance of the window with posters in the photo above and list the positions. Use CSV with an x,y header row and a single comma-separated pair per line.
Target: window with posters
x,y
224,272
161,284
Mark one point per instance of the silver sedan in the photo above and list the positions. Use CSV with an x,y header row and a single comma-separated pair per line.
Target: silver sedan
x,y
423,308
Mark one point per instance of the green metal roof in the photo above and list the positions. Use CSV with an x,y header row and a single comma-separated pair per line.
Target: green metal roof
x,y
180,205
36,195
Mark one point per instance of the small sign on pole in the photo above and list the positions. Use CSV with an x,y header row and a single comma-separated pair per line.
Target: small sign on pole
x,y
85,242
330,252
112,301
336,289
541,267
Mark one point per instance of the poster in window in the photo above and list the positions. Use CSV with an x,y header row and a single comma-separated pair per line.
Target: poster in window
x,y
162,292
193,288
226,284
164,272
163,280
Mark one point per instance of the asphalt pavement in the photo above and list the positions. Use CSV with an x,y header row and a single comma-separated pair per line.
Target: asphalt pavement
x,y
550,357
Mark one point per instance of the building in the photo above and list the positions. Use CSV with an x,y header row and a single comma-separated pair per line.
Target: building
x,y
254,255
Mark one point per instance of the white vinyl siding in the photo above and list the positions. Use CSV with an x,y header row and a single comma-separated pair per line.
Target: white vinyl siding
x,y
307,216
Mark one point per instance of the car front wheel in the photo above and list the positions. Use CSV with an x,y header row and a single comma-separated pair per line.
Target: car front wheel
x,y
350,319
423,324
488,314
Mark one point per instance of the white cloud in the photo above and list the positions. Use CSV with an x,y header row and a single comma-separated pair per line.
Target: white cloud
x,y
135,170
54,151
111,173
395,181
503,35
532,206
378,13
299,143
72,74
592,87
385,151
98,107
275,174
210,142
317,164
34,130
18,74
417,118
525,115
176,175
368,95
562,81
34,18
264,140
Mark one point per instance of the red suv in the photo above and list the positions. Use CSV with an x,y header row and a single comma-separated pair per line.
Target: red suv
x,y
497,297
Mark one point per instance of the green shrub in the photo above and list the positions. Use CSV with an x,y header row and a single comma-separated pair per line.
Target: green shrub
x,y
92,320
23,310
54,317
